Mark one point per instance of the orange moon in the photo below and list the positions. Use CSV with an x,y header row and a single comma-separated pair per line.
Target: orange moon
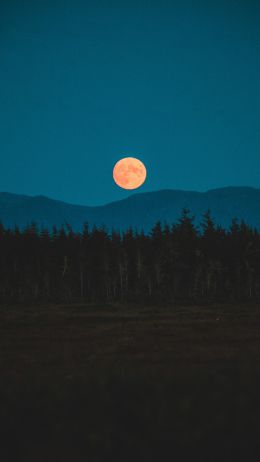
x,y
129,173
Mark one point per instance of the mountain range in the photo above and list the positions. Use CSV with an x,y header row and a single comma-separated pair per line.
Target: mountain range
x,y
139,210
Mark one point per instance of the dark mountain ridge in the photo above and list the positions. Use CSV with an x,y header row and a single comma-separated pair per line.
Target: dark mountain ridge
x,y
140,210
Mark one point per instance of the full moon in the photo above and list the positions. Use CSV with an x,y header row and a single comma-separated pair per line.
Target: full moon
x,y
129,173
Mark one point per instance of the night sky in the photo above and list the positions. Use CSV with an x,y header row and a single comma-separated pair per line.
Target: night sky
x,y
84,83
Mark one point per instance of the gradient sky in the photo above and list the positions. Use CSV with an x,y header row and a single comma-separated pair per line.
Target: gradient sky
x,y
84,83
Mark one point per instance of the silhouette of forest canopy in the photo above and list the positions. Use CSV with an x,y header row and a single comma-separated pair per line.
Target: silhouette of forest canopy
x,y
172,264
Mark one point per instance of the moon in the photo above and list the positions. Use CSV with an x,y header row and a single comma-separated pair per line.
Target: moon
x,y
129,173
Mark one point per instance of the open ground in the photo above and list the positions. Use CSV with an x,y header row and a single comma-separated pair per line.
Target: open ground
x,y
99,383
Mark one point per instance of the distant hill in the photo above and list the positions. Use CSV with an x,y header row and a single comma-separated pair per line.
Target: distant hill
x,y
140,210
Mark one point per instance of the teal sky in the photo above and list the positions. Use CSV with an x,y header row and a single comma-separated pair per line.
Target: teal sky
x,y
82,84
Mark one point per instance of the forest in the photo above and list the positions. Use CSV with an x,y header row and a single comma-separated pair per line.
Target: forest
x,y
178,263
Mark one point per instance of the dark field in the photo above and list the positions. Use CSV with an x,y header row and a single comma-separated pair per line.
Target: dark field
x,y
108,383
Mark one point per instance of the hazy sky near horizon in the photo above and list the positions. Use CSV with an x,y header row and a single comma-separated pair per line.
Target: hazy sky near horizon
x,y
84,83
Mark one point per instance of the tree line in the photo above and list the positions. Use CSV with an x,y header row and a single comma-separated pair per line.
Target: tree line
x,y
178,263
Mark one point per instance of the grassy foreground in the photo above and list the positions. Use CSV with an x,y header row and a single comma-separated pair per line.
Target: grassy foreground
x,y
108,383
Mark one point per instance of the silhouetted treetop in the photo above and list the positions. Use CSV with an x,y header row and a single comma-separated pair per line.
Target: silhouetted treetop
x,y
173,263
